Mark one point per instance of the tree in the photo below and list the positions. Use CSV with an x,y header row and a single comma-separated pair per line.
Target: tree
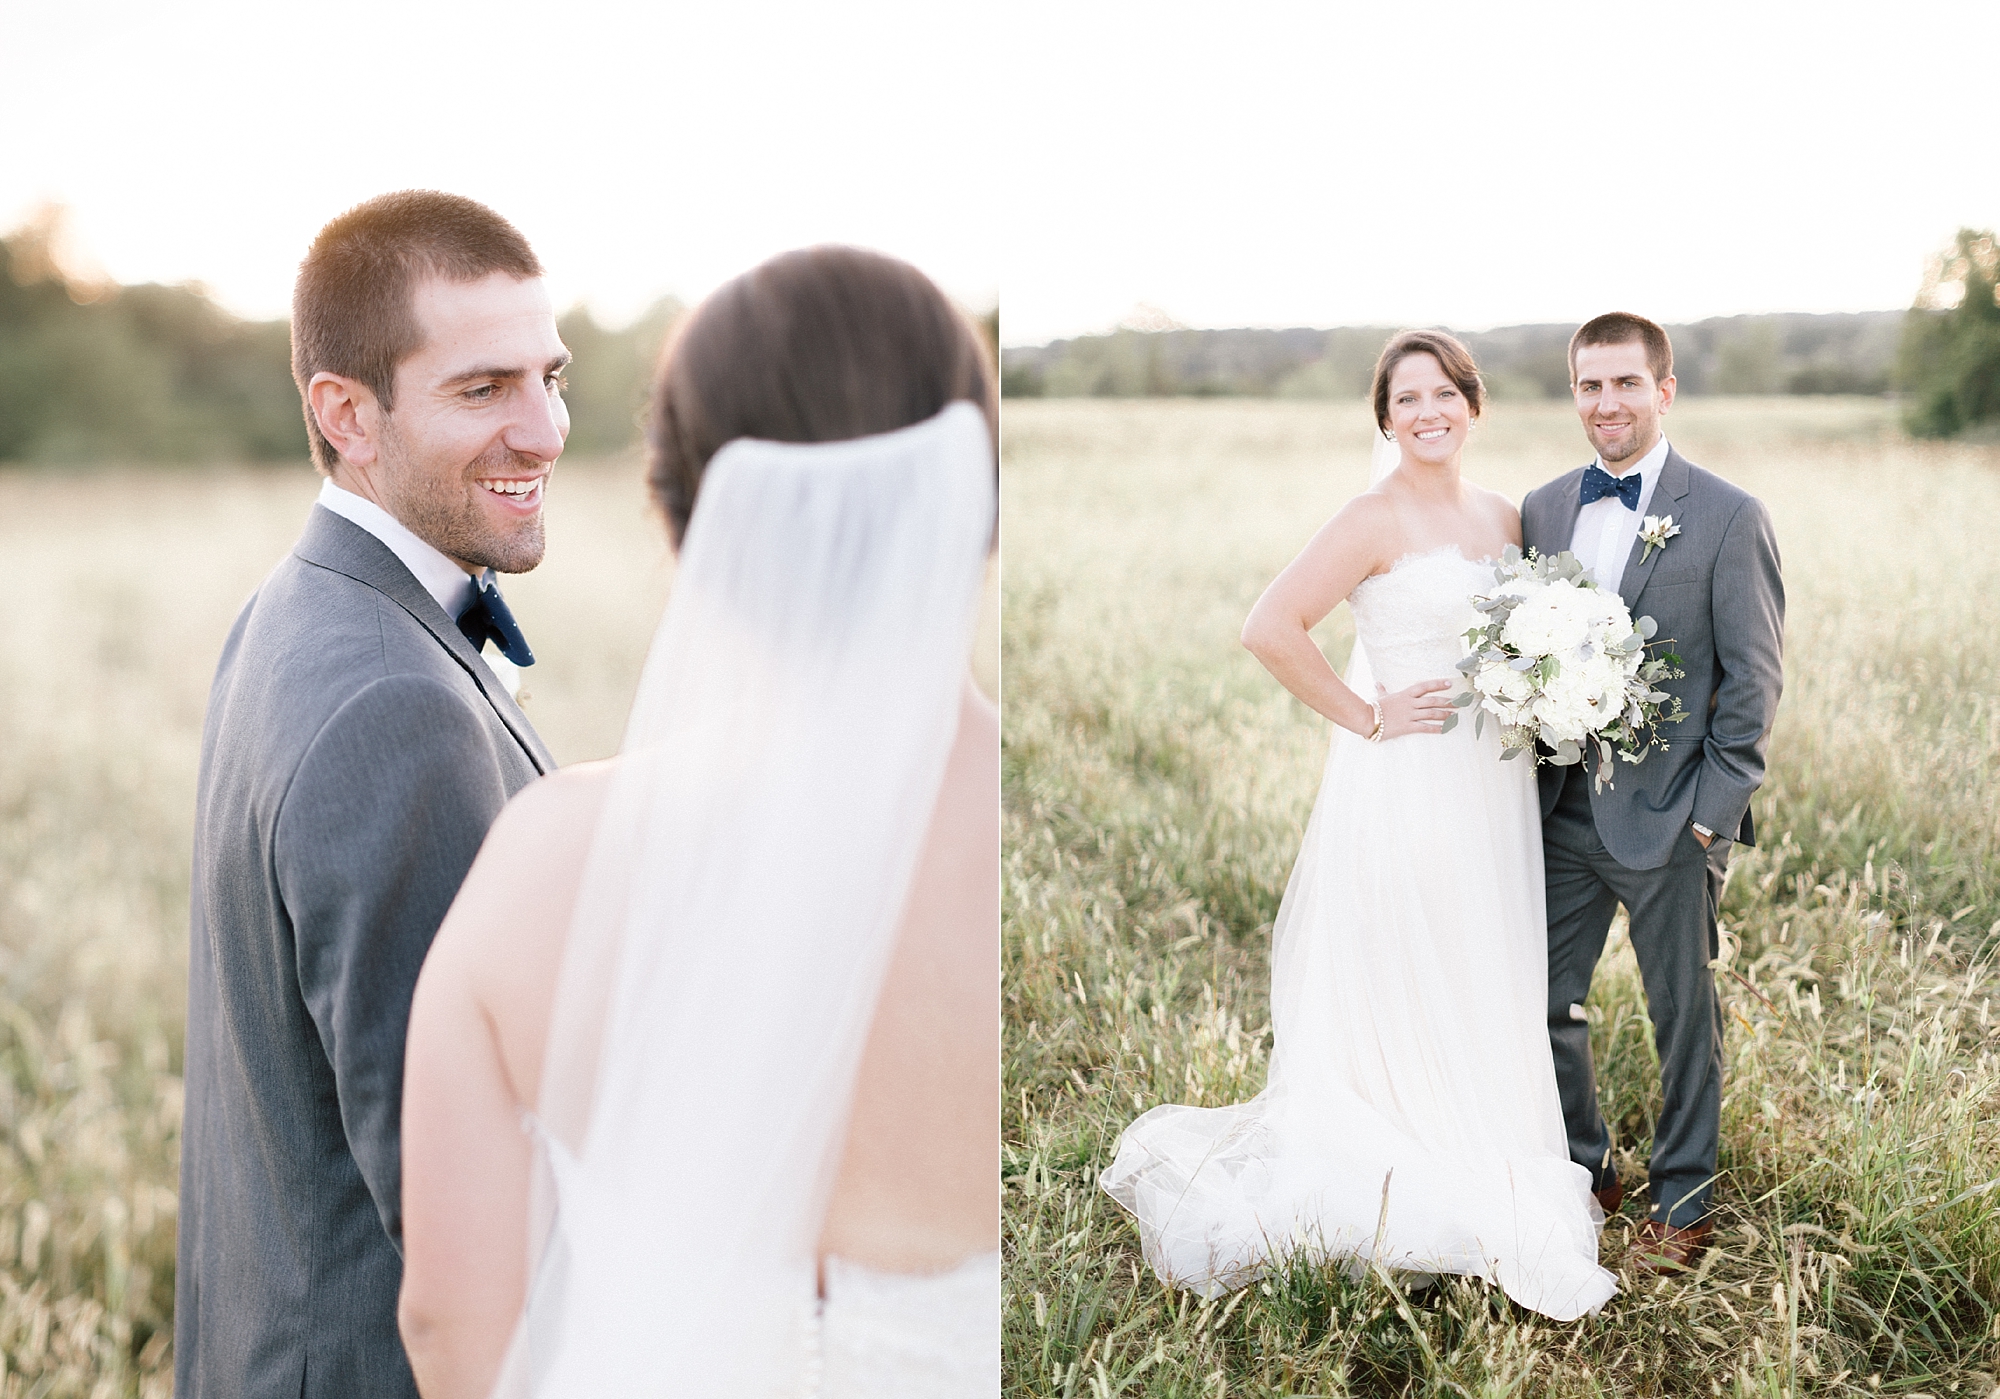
x,y
1950,357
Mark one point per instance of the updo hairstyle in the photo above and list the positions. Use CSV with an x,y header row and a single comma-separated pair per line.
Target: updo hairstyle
x,y
818,345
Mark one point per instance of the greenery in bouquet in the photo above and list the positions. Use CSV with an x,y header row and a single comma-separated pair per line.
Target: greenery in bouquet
x,y
1560,664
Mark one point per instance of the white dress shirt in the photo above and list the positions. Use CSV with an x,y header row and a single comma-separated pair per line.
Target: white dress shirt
x,y
444,580
1606,530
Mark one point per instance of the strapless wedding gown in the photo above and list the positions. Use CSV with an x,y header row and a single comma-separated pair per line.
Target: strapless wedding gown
x,y
1410,1116
906,1335
871,1335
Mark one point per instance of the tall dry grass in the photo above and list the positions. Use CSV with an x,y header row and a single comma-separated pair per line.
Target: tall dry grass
x,y
118,589
1156,785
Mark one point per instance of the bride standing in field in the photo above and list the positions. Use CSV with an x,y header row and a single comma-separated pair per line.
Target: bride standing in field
x,y
1411,1117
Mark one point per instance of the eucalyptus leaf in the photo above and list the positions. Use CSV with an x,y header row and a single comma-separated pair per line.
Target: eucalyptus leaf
x,y
1449,723
1521,663
1511,554
1567,752
1479,723
1648,628
1459,701
1509,754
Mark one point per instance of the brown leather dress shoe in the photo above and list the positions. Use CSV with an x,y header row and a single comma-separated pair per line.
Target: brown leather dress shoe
x,y
1660,1249
1611,1196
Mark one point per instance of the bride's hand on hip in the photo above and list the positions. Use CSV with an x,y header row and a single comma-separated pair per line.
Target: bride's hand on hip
x,y
1420,709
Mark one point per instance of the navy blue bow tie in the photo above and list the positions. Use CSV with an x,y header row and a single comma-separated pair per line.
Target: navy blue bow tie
x,y
488,617
1598,483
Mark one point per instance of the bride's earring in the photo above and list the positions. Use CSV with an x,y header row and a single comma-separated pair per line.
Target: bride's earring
x,y
1388,434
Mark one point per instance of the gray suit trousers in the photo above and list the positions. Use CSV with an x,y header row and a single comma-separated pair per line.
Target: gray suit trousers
x,y
1673,928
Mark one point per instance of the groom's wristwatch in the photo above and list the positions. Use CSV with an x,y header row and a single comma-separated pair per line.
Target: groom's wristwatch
x,y
1707,836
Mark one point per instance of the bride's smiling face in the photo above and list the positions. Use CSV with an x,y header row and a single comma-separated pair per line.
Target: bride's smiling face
x,y
1427,411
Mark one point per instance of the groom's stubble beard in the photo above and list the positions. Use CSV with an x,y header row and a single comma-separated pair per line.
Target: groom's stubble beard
x,y
1645,433
442,508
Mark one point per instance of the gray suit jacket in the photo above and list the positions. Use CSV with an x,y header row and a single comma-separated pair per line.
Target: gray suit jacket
x,y
356,750
1717,595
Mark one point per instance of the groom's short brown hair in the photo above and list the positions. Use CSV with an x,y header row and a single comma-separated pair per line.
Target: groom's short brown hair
x,y
353,311
1622,328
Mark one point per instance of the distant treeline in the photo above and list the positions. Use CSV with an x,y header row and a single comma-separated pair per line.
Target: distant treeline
x,y
91,373
1737,354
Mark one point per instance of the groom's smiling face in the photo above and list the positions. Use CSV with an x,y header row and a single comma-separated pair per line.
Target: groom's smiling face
x,y
1619,401
464,458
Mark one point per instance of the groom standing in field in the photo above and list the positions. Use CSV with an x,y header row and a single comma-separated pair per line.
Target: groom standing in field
x,y
357,746
1697,554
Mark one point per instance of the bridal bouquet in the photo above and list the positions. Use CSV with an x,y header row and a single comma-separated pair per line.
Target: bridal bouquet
x,y
1554,657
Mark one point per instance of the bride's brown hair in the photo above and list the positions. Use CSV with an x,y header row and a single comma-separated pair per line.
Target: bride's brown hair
x,y
818,345
1452,357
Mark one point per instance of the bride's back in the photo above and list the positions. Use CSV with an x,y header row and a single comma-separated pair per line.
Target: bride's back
x,y
918,1188
796,755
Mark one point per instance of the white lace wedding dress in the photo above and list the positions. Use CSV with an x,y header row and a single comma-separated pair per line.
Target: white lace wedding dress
x,y
869,1335
908,1335
1410,1115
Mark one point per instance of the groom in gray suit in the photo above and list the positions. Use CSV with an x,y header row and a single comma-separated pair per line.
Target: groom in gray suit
x,y
1658,841
357,746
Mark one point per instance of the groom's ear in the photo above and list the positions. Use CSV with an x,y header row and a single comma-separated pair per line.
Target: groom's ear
x,y
1667,393
348,414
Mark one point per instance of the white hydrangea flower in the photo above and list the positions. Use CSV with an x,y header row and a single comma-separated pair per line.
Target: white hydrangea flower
x,y
1555,659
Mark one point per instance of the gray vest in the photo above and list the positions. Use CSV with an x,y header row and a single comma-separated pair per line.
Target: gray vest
x,y
1716,593
355,752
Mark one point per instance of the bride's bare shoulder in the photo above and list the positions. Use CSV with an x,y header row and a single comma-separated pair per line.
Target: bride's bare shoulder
x,y
514,907
1366,520
1497,508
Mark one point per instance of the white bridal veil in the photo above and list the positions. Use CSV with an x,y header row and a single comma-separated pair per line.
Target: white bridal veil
x,y
1384,457
743,890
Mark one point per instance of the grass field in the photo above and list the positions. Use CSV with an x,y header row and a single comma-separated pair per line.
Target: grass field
x,y
1157,782
119,587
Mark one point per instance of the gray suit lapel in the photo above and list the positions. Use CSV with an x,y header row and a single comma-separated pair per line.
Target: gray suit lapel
x,y
347,549
1567,503
1672,486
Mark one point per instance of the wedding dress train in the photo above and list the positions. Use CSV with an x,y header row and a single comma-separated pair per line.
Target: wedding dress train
x,y
1410,1116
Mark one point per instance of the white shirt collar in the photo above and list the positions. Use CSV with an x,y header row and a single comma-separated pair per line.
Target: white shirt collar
x,y
444,580
1648,468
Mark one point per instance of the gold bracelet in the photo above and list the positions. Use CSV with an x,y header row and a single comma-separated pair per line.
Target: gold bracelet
x,y
1376,736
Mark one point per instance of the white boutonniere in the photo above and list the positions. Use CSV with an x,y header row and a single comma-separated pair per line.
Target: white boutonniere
x,y
1654,534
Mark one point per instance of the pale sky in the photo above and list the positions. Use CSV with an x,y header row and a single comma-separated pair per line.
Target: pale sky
x,y
1275,162
643,149
1481,164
